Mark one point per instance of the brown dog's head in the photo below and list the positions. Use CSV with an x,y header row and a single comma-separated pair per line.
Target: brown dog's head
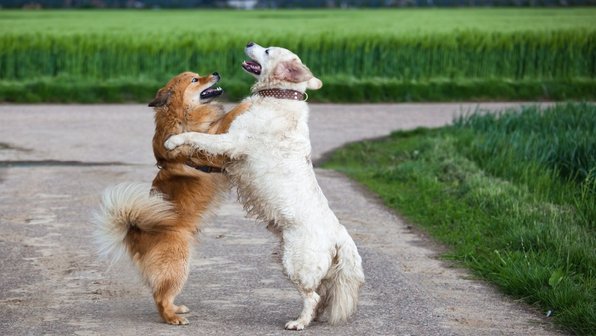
x,y
279,68
187,90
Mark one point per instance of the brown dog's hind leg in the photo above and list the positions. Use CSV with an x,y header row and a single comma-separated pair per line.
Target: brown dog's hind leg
x,y
168,311
168,283
164,300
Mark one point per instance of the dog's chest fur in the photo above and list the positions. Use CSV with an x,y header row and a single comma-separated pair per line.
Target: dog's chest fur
x,y
277,159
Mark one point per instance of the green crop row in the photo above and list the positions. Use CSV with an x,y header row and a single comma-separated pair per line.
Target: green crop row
x,y
528,55
406,55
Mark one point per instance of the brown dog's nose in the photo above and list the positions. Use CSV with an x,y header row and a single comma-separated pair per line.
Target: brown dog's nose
x,y
250,44
215,74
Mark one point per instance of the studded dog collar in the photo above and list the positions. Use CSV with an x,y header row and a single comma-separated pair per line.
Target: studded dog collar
x,y
204,169
283,94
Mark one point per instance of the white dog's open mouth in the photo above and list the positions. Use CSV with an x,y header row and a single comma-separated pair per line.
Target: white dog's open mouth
x,y
252,66
211,92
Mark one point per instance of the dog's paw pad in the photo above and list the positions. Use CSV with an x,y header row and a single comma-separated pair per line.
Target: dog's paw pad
x,y
182,309
295,325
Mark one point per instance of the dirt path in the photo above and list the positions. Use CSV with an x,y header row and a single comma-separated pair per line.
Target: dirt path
x,y
55,160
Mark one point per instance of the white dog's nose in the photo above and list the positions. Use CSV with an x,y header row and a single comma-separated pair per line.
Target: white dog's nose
x,y
250,44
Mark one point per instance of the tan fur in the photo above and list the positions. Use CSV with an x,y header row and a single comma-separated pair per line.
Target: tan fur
x,y
162,252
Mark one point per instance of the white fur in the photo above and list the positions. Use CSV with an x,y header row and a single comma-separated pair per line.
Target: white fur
x,y
271,166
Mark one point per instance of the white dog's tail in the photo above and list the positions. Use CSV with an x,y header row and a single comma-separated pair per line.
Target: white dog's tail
x,y
340,289
125,207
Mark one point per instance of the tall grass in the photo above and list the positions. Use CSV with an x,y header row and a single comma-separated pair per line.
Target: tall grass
x,y
562,140
513,195
524,55
550,152
131,48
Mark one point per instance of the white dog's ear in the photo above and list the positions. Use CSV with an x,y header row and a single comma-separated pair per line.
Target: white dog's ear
x,y
292,71
314,84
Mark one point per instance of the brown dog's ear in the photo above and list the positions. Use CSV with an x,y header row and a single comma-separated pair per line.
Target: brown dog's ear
x,y
161,98
292,71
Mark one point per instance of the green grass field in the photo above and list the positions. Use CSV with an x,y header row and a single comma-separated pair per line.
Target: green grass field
x,y
409,22
513,196
361,55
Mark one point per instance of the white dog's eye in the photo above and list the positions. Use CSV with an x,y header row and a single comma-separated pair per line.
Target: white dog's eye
x,y
267,51
195,79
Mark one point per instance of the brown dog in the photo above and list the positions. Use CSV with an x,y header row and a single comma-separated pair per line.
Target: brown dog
x,y
156,229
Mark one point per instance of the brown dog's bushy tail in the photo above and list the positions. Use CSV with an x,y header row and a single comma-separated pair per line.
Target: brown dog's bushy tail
x,y
125,207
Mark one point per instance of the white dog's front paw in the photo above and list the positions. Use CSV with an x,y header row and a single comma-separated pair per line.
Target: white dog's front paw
x,y
295,325
174,141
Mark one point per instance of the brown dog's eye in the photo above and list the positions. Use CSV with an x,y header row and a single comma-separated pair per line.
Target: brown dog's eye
x,y
195,80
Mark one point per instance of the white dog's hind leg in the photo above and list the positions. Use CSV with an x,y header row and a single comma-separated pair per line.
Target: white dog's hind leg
x,y
305,264
311,299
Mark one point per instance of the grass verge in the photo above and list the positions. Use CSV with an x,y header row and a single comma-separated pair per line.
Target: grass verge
x,y
514,196
336,89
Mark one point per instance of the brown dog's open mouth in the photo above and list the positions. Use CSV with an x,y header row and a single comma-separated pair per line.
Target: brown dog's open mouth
x,y
211,92
252,67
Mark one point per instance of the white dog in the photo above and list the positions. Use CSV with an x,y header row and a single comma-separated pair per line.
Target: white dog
x,y
270,150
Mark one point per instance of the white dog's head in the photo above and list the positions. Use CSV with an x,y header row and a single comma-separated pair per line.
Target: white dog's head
x,y
278,68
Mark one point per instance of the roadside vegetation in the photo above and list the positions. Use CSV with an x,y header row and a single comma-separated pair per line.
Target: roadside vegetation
x,y
513,195
361,56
